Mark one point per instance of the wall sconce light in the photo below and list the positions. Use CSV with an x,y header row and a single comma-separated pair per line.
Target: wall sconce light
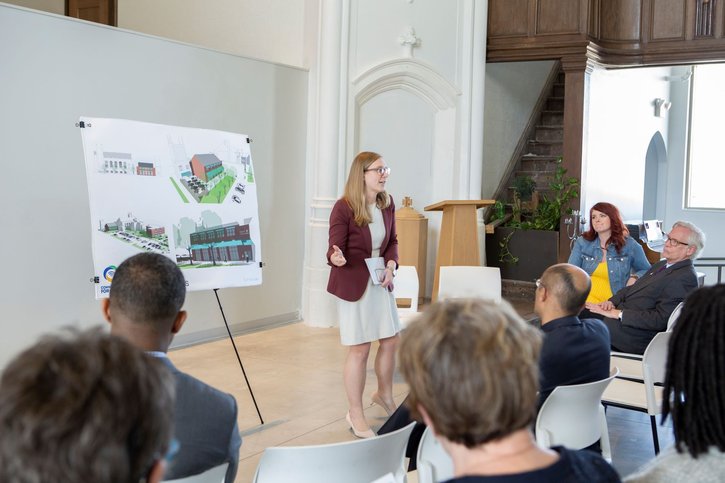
x,y
661,106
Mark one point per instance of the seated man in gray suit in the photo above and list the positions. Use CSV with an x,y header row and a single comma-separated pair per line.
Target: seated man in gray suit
x,y
144,307
636,313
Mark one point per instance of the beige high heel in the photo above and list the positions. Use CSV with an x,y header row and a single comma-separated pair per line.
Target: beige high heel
x,y
376,399
368,433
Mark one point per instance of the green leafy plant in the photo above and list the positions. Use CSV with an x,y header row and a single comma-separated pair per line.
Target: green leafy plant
x,y
546,215
524,187
504,254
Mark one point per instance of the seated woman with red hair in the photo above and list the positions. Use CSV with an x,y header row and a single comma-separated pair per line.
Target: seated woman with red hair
x,y
608,254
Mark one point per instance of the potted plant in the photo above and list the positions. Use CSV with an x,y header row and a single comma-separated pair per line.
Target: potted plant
x,y
526,239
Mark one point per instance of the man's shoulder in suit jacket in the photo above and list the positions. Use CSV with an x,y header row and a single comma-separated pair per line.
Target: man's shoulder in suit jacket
x,y
205,425
646,305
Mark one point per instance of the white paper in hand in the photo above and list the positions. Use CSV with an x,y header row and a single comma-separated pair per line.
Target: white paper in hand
x,y
376,267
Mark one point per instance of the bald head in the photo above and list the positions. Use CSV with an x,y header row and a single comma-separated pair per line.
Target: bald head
x,y
568,285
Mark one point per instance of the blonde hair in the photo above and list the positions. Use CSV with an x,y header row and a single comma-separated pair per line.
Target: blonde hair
x,y
473,366
355,189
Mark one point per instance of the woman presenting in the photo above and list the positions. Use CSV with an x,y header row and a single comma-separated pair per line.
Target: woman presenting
x,y
608,254
362,225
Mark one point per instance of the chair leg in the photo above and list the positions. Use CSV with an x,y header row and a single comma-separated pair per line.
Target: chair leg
x,y
604,441
655,438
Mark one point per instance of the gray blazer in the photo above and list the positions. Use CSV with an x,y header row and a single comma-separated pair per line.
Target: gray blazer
x,y
205,425
648,303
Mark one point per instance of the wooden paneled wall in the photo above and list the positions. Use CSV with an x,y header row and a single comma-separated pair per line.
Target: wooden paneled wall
x,y
608,32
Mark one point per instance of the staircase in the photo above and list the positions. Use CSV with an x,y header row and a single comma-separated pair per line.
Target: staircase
x,y
544,143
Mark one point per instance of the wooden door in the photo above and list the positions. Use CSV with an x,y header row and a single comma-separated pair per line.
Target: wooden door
x,y
100,11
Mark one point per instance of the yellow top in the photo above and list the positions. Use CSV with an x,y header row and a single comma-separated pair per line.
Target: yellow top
x,y
601,290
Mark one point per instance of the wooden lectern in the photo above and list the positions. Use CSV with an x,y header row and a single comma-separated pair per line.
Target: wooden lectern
x,y
458,241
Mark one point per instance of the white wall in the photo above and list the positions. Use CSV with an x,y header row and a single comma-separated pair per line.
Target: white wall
x,y
621,125
277,31
512,89
52,6
711,221
56,69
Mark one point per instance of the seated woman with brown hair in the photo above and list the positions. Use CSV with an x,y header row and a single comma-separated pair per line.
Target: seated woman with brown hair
x,y
472,368
608,254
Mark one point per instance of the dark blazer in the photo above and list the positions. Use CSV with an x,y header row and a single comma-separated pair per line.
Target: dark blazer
x,y
349,281
205,425
574,352
647,304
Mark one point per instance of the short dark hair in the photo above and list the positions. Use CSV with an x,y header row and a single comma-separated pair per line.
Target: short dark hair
x,y
148,288
472,364
559,280
83,406
693,392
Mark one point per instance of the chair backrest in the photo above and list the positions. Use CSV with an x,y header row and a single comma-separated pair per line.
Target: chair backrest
x,y
701,279
406,287
213,475
469,281
570,415
654,364
433,463
674,316
362,460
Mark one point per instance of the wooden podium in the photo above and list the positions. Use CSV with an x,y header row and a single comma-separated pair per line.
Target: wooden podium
x,y
458,241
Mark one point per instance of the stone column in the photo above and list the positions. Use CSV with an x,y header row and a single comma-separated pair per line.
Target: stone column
x,y
323,173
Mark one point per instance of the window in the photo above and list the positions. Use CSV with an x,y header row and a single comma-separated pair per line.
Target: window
x,y
706,169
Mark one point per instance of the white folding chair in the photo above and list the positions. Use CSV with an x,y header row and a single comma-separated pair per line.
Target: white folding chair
x,y
701,279
630,365
406,286
643,396
469,281
432,462
573,416
213,475
362,461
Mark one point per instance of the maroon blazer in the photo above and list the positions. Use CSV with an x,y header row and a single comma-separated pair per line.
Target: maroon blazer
x,y
349,281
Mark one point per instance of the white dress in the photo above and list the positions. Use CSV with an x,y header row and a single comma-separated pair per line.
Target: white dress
x,y
375,315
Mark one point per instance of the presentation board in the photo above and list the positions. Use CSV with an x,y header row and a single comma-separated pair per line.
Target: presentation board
x,y
55,70
187,194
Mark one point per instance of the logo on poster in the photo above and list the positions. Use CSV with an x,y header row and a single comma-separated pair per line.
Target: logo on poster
x,y
109,272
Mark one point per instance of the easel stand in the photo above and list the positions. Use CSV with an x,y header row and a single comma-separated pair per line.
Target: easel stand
x,y
251,393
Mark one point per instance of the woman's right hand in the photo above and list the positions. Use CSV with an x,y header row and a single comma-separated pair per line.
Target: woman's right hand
x,y
337,258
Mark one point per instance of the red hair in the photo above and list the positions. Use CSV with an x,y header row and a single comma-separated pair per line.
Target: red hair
x,y
619,231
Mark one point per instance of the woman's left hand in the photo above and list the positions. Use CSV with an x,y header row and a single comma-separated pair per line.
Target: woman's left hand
x,y
388,278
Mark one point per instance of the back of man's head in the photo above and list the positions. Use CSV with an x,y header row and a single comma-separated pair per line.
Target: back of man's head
x,y
472,365
148,288
568,285
84,407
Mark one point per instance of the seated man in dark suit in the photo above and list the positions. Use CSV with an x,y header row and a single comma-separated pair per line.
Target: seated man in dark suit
x,y
574,351
144,307
635,314
85,406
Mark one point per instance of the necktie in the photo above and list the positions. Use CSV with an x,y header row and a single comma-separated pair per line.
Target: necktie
x,y
664,265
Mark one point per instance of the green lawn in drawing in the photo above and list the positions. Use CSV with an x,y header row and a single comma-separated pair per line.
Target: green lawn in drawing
x,y
220,191
178,190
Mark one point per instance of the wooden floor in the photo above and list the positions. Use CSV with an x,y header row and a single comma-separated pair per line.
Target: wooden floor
x,y
295,374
